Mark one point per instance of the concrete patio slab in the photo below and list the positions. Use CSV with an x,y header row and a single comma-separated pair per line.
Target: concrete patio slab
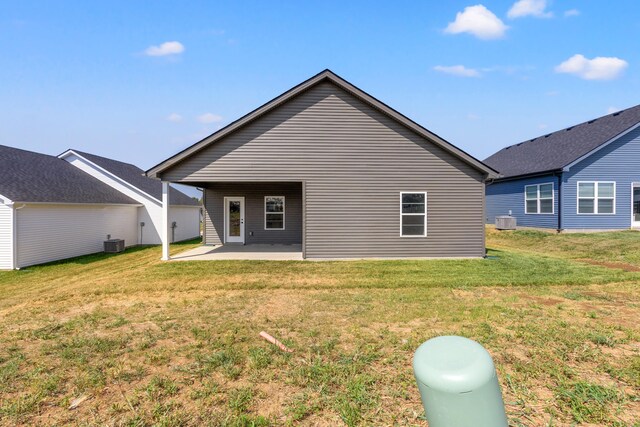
x,y
260,252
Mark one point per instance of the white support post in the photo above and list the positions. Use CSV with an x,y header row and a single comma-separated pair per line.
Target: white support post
x,y
165,221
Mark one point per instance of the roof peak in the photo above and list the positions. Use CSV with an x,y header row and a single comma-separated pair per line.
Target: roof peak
x,y
291,93
86,153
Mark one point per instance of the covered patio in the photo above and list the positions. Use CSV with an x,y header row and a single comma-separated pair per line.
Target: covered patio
x,y
259,252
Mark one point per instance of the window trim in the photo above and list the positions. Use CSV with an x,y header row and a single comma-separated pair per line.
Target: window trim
x,y
553,199
595,198
277,213
633,219
414,214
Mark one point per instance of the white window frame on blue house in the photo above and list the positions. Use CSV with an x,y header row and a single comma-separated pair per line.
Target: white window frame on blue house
x,y
538,199
596,198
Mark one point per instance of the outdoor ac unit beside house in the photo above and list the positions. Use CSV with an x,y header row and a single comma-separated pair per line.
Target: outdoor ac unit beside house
x,y
505,222
114,245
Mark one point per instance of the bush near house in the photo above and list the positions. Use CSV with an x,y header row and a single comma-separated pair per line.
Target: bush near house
x,y
158,343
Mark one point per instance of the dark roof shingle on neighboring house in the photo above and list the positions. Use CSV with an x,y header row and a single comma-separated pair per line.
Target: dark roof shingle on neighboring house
x,y
556,150
26,176
136,177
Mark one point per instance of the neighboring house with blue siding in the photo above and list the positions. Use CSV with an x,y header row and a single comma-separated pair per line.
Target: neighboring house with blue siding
x,y
582,178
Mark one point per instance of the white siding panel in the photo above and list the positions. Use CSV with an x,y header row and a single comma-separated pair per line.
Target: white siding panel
x,y
52,232
187,219
6,237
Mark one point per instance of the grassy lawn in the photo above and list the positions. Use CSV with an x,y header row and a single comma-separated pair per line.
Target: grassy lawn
x,y
152,343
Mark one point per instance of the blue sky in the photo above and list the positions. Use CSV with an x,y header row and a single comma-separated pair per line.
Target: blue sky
x,y
139,81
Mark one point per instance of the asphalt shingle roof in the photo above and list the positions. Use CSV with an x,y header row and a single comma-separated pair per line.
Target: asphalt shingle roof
x,y
136,177
558,149
26,176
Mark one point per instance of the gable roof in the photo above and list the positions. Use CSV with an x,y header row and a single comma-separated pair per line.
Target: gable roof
x,y
26,176
326,75
136,177
558,150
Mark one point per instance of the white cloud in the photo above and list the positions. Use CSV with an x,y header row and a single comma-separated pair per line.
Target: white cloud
x,y
599,68
174,117
457,70
479,21
166,48
209,118
571,12
523,8
612,110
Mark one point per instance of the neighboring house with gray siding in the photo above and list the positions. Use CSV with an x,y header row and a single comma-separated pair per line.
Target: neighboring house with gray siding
x,y
51,209
582,178
329,167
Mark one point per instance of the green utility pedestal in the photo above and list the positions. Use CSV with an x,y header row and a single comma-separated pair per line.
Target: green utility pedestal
x,y
458,384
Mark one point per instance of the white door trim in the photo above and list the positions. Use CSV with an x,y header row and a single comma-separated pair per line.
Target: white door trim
x,y
233,239
634,224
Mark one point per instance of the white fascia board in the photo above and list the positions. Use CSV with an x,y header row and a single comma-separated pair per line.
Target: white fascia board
x,y
117,179
600,147
5,200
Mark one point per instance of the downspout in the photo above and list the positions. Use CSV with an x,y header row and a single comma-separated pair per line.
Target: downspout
x,y
560,202
486,182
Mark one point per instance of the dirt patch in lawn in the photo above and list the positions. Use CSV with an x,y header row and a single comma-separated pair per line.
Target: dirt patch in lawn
x,y
615,265
546,301
277,305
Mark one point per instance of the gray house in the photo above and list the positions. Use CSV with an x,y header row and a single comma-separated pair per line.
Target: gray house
x,y
330,168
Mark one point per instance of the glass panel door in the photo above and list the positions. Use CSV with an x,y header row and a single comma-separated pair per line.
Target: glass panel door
x,y
234,212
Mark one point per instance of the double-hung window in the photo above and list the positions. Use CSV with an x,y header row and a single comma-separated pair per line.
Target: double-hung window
x,y
413,214
596,197
274,213
538,199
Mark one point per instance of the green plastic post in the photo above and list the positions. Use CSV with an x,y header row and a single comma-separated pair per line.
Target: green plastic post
x,y
458,384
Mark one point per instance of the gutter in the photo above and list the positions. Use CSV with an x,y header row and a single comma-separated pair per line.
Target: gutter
x,y
81,204
527,175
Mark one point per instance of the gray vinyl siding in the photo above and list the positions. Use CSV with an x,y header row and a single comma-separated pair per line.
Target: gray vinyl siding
x,y
354,161
254,212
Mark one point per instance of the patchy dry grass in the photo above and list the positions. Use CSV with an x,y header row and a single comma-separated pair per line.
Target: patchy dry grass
x,y
177,343
613,248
